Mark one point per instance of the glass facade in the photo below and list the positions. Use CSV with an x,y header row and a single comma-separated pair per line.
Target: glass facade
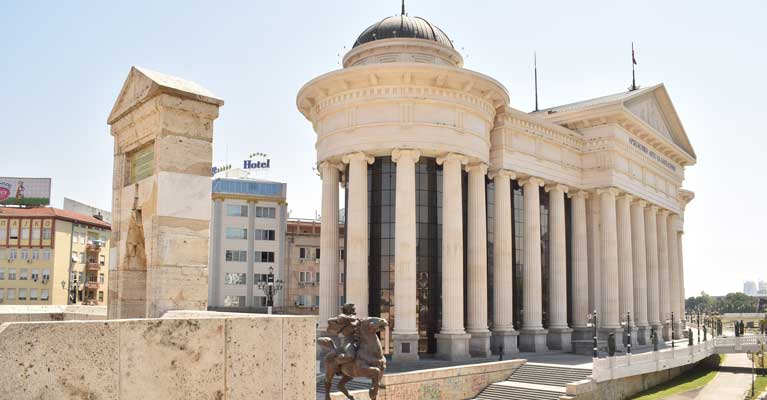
x,y
382,182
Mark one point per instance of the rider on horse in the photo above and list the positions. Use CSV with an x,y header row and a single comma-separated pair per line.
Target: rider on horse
x,y
348,325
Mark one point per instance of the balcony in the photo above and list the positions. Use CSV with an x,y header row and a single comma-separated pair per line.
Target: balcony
x,y
92,285
93,266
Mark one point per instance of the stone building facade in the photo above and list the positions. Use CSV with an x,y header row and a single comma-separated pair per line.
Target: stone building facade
x,y
472,225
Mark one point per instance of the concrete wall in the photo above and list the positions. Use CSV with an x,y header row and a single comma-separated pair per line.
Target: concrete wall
x,y
460,382
200,356
51,313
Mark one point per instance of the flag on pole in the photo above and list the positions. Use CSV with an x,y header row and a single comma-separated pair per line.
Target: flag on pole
x,y
633,56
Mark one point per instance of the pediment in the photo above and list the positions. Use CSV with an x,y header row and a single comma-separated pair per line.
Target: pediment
x,y
648,110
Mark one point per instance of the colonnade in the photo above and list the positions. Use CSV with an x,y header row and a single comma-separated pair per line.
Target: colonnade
x,y
625,259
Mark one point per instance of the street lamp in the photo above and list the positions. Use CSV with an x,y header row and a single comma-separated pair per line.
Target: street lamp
x,y
628,331
593,322
270,287
672,330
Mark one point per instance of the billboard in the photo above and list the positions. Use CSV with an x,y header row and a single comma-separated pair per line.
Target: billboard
x,y
25,191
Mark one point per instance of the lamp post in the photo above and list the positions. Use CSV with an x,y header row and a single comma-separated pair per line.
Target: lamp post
x,y
270,288
672,330
628,330
593,322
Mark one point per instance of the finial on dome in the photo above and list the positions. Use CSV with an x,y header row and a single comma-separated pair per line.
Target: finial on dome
x,y
403,7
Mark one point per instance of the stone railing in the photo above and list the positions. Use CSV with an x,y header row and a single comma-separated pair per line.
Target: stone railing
x,y
637,364
740,344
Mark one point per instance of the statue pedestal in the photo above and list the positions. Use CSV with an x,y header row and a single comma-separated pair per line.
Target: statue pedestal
x,y
405,347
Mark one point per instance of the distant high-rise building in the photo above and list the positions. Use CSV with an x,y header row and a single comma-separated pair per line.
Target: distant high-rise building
x,y
762,288
749,288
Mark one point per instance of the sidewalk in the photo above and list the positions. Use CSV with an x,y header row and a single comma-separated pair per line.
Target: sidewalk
x,y
732,381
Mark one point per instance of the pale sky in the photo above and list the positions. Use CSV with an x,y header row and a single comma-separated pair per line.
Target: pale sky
x,y
62,65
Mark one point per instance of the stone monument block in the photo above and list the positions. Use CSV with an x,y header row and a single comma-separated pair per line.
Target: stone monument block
x,y
163,132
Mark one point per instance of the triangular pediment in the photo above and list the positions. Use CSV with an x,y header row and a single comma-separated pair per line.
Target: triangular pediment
x,y
647,109
143,84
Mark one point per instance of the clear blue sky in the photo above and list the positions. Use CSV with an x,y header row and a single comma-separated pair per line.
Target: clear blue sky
x,y
63,63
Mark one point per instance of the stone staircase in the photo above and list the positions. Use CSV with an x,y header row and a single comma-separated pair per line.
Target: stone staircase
x,y
534,381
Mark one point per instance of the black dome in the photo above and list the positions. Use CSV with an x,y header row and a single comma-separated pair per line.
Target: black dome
x,y
403,26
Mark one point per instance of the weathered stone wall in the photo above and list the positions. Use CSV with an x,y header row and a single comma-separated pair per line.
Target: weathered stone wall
x,y
461,382
51,313
200,356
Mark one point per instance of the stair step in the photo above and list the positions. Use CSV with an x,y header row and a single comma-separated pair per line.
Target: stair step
x,y
500,392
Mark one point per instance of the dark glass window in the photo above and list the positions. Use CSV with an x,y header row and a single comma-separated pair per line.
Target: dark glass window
x,y
382,181
428,180
518,228
490,212
545,264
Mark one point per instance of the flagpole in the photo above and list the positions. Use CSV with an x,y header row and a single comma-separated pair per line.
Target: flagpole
x,y
633,72
535,68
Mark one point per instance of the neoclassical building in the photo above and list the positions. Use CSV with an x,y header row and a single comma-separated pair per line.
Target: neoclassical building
x,y
473,226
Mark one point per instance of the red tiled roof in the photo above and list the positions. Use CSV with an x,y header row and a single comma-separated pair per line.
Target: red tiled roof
x,y
54,213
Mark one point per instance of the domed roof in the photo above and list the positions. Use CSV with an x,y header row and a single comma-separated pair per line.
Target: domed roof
x,y
403,26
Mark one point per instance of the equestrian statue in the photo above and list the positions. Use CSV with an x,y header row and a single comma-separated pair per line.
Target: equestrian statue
x,y
360,353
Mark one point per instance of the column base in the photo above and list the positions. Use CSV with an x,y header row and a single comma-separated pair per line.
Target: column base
x,y
583,333
604,334
560,339
405,347
643,335
453,346
533,340
479,344
666,332
506,340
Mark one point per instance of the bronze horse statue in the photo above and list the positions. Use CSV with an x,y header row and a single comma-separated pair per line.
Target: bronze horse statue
x,y
369,361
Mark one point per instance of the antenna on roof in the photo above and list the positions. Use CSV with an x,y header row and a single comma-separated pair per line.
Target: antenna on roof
x,y
403,7
535,68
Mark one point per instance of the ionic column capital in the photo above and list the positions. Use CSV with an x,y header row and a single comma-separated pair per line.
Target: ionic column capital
x,y
347,158
663,213
625,196
477,167
532,180
612,190
555,186
581,194
327,166
460,158
653,209
405,154
503,173
639,202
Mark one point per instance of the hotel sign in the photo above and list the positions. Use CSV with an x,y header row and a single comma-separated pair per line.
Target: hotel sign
x,y
25,191
652,154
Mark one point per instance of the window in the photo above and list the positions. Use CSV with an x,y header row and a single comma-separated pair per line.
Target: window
x,y
2,295
14,233
35,254
35,234
22,294
80,277
82,258
264,234
33,294
302,301
103,239
2,275
236,233
12,274
24,254
46,233
46,275
93,238
3,233
342,254
140,164
102,260
317,253
265,212
259,277
305,276
44,294
11,294
101,277
263,256
341,278
46,254
317,277
101,296
73,277
23,274
341,300
2,254
24,235
236,210
35,274
81,237
234,301
12,254
303,253
237,255
234,279
74,256
259,301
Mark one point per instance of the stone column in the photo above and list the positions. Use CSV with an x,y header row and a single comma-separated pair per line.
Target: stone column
x,y
405,334
329,244
532,336
579,264
663,273
594,236
651,253
559,336
476,288
357,232
638,249
673,272
625,262
504,334
681,275
610,285
452,341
